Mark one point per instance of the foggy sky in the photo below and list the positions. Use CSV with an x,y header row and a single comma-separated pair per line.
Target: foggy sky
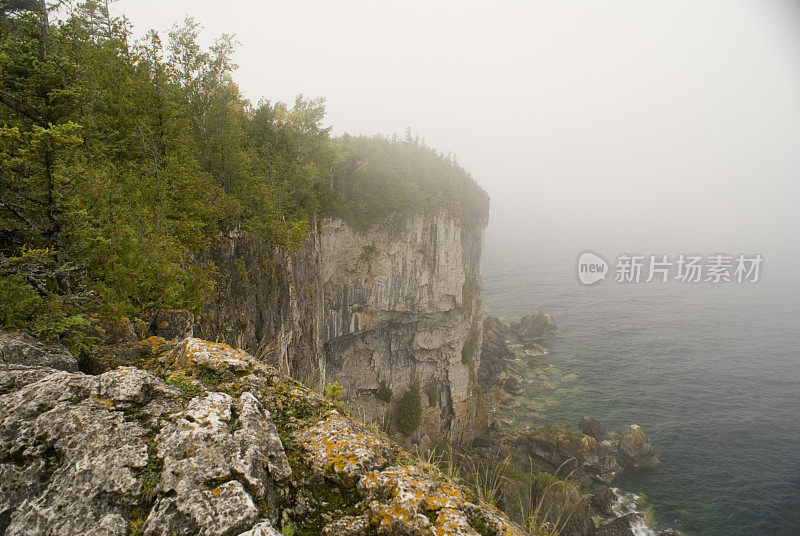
x,y
674,122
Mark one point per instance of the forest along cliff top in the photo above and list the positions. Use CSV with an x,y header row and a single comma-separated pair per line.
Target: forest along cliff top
x,y
207,440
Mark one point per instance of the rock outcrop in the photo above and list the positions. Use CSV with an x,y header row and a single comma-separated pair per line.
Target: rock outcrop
x,y
172,325
209,441
371,309
531,328
495,353
635,448
604,501
401,306
592,427
568,453
18,348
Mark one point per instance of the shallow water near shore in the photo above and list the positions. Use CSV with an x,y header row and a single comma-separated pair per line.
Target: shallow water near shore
x,y
710,372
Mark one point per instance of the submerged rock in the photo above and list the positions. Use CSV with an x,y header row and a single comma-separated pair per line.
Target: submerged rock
x,y
18,348
635,448
209,441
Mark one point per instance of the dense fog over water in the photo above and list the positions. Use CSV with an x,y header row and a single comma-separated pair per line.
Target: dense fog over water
x,y
656,121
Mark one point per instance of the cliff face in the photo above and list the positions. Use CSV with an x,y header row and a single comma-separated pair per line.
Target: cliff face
x,y
401,307
269,301
374,310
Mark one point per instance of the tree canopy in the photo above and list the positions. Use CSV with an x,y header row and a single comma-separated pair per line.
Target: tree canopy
x,y
120,161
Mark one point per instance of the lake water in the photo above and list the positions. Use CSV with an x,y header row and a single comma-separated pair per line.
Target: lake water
x,y
711,372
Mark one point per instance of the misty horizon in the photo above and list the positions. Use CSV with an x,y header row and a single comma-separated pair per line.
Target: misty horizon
x,y
662,123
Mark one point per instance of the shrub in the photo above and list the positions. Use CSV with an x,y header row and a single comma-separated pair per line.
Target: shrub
x,y
334,392
409,413
432,390
385,392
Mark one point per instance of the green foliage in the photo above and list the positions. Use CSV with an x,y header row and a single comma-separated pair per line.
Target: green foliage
x,y
385,392
409,411
288,529
334,392
18,302
381,176
187,387
432,391
120,164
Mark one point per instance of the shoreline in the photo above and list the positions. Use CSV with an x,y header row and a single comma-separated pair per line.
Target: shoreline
x,y
542,385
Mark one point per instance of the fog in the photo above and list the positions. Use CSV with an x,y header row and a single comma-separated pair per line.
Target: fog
x,y
659,124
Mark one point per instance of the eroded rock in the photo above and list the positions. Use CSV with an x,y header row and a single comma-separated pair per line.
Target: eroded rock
x,y
18,348
635,448
604,501
209,441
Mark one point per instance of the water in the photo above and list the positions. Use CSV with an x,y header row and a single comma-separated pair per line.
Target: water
x,y
710,372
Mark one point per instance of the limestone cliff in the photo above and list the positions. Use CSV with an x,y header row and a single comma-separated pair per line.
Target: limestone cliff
x,y
373,309
401,306
207,440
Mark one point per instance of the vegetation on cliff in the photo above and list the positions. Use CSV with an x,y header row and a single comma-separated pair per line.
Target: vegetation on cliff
x,y
120,161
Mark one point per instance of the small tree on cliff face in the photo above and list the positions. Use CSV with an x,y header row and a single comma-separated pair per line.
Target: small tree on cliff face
x,y
409,413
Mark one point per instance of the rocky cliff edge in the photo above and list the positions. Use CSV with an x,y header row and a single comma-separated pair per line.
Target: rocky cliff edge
x,y
204,439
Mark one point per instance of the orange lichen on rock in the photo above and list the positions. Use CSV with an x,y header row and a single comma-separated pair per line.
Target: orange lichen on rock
x,y
344,449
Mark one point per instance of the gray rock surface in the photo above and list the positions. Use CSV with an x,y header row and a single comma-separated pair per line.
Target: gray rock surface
x,y
495,353
18,348
363,307
208,441
572,453
604,501
531,328
635,448
592,427
172,325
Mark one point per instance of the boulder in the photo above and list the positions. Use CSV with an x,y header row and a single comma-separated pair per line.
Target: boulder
x,y
493,368
553,448
513,385
173,325
604,501
116,332
592,427
18,348
627,525
530,329
635,448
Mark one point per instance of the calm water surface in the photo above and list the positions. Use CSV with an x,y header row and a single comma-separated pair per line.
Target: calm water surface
x,y
711,373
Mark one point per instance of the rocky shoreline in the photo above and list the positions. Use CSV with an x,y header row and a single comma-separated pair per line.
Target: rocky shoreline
x,y
537,476
591,453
